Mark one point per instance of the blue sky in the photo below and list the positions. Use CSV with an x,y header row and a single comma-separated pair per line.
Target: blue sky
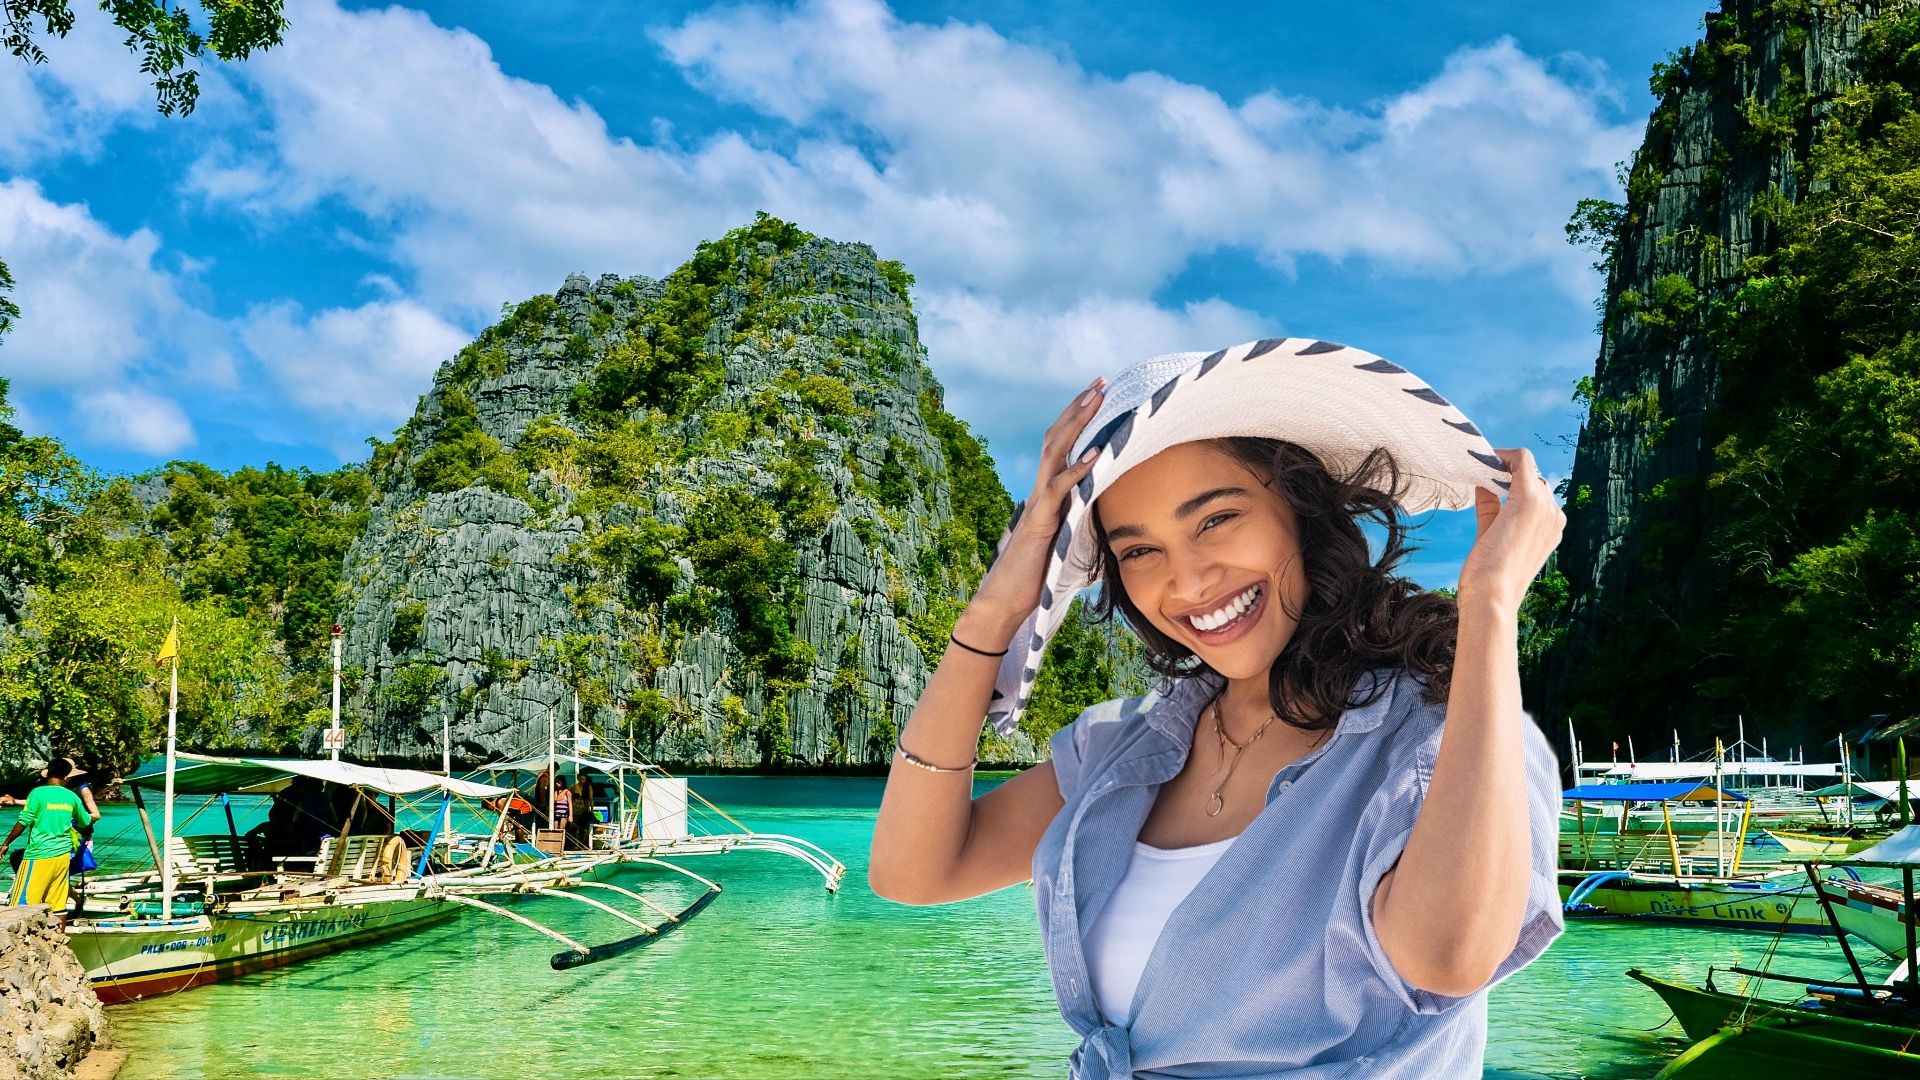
x,y
1075,185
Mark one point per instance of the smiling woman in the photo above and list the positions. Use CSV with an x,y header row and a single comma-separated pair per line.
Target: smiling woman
x,y
1332,828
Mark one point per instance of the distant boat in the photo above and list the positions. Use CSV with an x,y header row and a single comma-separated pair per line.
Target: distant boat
x,y
1673,877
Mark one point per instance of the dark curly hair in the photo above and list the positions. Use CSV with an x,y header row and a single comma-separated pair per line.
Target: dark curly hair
x,y
1359,614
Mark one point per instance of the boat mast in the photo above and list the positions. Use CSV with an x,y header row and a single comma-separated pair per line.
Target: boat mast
x,y
446,766
620,823
333,735
166,815
551,778
1719,817
1846,777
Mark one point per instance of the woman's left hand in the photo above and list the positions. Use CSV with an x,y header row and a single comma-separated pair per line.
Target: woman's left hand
x,y
1514,537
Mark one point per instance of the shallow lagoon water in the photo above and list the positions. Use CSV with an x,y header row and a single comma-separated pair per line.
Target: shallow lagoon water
x,y
779,978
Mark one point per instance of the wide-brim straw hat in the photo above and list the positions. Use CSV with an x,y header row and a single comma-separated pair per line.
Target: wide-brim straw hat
x,y
1336,401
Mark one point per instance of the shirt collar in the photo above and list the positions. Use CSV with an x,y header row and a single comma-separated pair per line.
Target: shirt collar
x,y
1175,714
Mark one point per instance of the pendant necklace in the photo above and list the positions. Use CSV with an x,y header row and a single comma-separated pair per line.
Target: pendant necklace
x,y
1216,801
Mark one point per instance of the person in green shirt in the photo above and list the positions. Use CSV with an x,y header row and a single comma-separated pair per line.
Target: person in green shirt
x,y
48,818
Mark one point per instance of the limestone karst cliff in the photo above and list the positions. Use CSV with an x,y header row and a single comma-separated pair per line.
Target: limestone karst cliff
x,y
1740,492
727,510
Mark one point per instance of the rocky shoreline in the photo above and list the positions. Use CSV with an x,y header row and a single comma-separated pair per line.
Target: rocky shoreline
x,y
50,1020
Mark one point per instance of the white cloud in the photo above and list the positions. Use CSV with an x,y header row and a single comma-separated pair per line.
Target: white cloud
x,y
1074,182
986,164
369,362
89,84
135,419
92,302
1042,207
1063,348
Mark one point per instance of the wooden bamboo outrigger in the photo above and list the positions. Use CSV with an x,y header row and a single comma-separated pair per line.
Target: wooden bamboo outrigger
x,y
671,835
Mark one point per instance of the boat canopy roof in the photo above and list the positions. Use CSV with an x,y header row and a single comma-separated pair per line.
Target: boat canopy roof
x,y
1649,793
539,762
199,774
1886,790
1650,771
1902,849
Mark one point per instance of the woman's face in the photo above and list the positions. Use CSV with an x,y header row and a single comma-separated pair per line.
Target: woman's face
x,y
1199,536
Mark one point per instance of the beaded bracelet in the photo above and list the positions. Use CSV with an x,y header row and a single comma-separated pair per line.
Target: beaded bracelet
x,y
931,767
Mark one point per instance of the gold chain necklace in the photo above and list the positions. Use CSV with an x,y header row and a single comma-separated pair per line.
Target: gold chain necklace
x,y
1216,801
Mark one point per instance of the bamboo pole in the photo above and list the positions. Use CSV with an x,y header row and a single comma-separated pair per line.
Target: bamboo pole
x,y
166,813
1746,815
146,826
1673,844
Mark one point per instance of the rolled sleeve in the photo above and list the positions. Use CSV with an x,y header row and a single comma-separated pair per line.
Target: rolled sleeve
x,y
1080,748
1065,748
1393,815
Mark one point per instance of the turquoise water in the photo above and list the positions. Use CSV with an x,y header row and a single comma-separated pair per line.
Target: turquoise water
x,y
779,978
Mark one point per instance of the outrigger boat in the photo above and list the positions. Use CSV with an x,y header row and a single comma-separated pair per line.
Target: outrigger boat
x,y
219,907
647,815
1845,1027
1668,876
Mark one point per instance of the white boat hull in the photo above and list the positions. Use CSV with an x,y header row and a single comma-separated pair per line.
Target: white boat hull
x,y
131,958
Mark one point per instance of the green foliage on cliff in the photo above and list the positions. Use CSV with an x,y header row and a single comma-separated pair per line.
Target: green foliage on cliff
x,y
1817,462
1809,511
1079,655
663,363
979,499
91,576
265,543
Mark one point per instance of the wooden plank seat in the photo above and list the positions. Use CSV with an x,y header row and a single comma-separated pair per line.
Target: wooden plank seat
x,y
374,857
216,853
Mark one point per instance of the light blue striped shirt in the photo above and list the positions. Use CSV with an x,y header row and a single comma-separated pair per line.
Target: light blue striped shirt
x,y
1270,966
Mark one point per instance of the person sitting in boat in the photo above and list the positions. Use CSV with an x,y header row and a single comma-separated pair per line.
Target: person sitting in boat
x,y
313,818
50,817
1331,827
580,817
541,787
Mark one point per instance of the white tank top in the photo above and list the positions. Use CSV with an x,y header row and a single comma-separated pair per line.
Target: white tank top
x,y
1122,935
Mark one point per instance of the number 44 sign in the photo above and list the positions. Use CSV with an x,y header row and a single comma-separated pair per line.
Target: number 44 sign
x,y
333,739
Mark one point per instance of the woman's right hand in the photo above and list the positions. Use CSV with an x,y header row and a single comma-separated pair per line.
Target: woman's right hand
x,y
1011,589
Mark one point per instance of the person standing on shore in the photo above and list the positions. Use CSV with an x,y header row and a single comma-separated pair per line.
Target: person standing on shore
x,y
1311,850
49,817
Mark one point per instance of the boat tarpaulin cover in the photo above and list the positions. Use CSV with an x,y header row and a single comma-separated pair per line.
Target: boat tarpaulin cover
x,y
1884,790
539,762
197,774
1655,771
1900,849
1649,793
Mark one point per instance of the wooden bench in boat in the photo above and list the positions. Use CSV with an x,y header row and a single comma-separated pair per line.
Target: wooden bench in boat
x,y
375,857
1614,851
216,853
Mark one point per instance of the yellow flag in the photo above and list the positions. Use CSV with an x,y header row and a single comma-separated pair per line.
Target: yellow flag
x,y
170,649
